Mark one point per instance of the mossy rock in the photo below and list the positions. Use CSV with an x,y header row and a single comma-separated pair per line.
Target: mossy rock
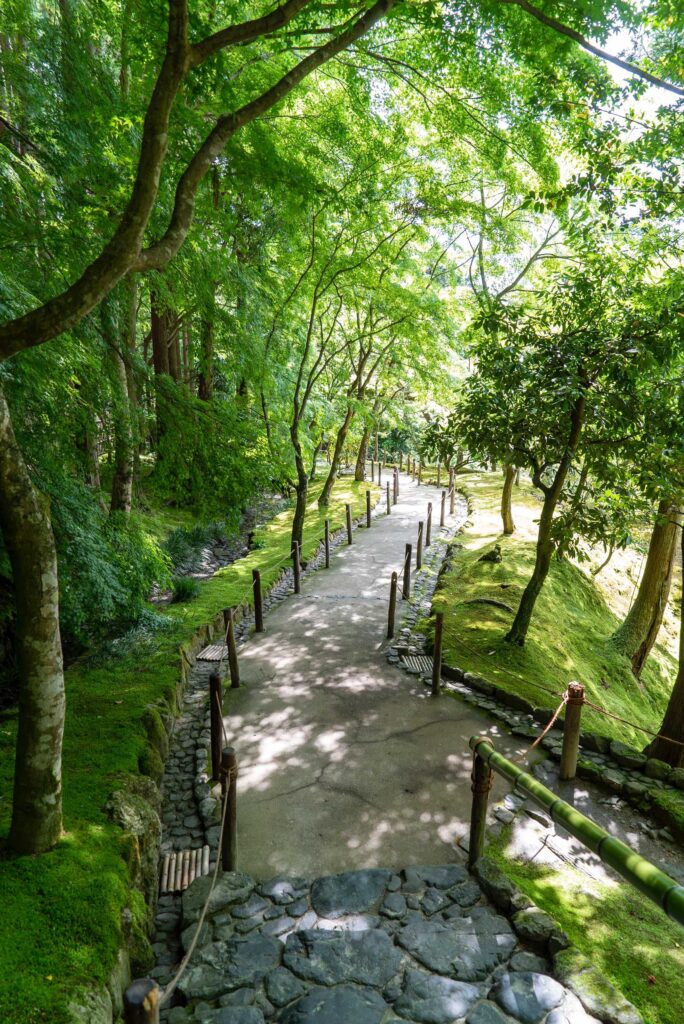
x,y
150,763
669,808
141,841
596,993
156,731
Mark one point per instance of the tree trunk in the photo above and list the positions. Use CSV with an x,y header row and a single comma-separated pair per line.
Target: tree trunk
x,y
160,341
324,497
637,634
360,471
317,449
673,723
27,533
205,389
506,512
521,623
301,490
126,420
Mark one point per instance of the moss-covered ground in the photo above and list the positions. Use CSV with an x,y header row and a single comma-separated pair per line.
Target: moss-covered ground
x,y
573,620
60,914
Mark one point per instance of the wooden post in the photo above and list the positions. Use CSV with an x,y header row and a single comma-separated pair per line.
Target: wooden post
x,y
229,785
372,471
412,468
296,568
571,732
419,547
452,500
401,460
368,509
406,588
437,654
379,473
216,723
141,1002
392,606
232,650
420,472
428,525
442,509
481,784
327,543
395,487
258,606
349,524
389,503
396,474
439,474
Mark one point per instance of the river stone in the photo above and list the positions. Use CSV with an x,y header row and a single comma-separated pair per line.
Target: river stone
x,y
439,876
284,890
656,769
254,905
337,957
352,892
344,1004
570,1012
466,894
598,995
224,966
431,999
527,996
467,948
282,987
394,905
534,926
525,961
613,779
231,887
233,1015
486,1013
500,889
628,757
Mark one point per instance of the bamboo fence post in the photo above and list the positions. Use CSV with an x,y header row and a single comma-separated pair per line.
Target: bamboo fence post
x,y
216,723
406,588
481,784
428,525
442,509
141,1002
419,547
349,524
392,606
327,543
258,604
437,655
368,509
395,487
372,471
389,503
571,731
232,651
229,785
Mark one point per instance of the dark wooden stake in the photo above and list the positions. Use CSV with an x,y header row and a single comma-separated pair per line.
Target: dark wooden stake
x,y
327,543
392,606
428,525
389,503
442,509
258,605
229,784
419,547
439,474
401,460
296,568
215,720
571,732
141,1002
406,587
349,524
379,473
420,472
232,651
368,509
452,500
481,784
372,471
437,655
395,487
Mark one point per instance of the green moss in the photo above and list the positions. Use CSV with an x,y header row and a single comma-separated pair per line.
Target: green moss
x,y
61,920
672,803
597,917
570,630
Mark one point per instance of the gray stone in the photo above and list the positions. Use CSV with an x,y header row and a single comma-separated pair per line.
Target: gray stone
x,y
534,926
613,779
240,997
466,894
494,883
231,887
205,936
467,948
438,876
223,966
433,901
626,756
279,926
571,1011
352,892
677,778
233,1015
338,957
282,987
486,1013
525,961
254,905
343,1004
504,815
283,890
394,905
527,996
539,816
656,769
431,999
598,995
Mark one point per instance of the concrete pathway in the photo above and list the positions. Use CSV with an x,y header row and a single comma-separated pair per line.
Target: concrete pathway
x,y
345,761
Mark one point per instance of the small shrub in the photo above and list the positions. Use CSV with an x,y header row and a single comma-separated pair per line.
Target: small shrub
x,y
185,588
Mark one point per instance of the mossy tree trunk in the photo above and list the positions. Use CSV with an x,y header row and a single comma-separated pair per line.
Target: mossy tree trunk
x,y
27,533
637,634
672,725
301,491
506,511
126,418
360,470
545,545
324,497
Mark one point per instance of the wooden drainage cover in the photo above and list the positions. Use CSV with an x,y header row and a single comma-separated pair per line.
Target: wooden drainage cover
x,y
419,664
214,652
182,867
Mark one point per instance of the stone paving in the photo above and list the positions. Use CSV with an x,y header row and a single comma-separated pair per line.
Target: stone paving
x,y
422,945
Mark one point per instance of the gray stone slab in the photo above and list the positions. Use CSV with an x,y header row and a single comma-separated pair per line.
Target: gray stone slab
x,y
343,1004
282,987
527,996
338,957
465,948
351,892
439,876
224,966
231,887
432,999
